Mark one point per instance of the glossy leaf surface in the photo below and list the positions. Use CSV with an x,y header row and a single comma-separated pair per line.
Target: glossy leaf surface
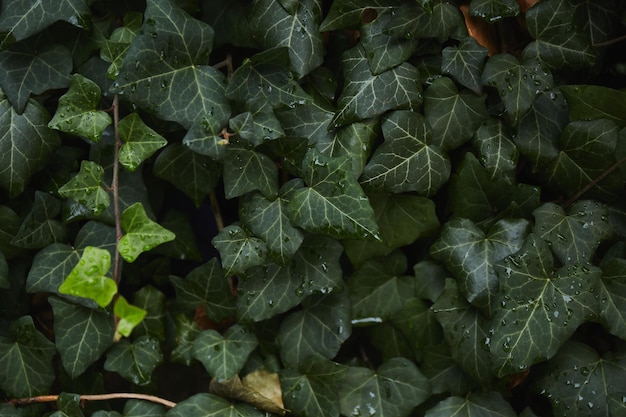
x,y
142,234
141,142
87,189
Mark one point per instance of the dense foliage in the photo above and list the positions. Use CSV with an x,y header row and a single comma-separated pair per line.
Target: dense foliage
x,y
387,207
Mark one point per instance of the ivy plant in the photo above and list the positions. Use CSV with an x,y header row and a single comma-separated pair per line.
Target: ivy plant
x,y
312,208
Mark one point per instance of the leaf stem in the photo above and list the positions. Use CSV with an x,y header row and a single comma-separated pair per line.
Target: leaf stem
x,y
115,188
610,41
599,178
94,397
217,213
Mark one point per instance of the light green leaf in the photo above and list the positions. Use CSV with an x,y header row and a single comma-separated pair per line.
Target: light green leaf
x,y
348,14
134,361
488,404
194,174
367,95
209,405
206,286
77,111
496,150
142,234
312,390
265,77
141,142
465,63
128,317
166,69
88,278
298,30
470,254
19,20
32,67
573,237
82,334
86,188
454,116
26,144
25,360
332,202
493,10
416,215
239,250
538,308
406,161
152,301
224,356
39,228
590,102
394,389
319,329
246,171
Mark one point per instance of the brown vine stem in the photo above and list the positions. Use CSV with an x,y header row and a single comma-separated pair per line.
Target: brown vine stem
x,y
115,187
94,397
610,41
599,178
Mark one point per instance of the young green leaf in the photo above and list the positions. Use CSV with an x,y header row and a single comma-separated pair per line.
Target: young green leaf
x,y
77,111
134,361
142,234
246,171
40,228
129,317
488,404
238,250
88,278
465,63
224,356
141,142
493,10
86,188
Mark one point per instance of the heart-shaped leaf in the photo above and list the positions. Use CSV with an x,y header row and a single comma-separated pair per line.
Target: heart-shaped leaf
x,y
246,171
86,188
134,361
141,142
142,234
465,63
238,250
496,150
493,10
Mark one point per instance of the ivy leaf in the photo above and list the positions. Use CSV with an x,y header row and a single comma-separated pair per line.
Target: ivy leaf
x,y
394,389
5,282
33,67
88,279
209,405
134,361
82,335
204,137
496,150
265,77
206,286
186,333
9,226
590,102
39,228
535,300
166,68
95,233
406,161
470,254
298,30
613,295
246,171
129,317
26,144
141,142
152,302
488,404
517,82
446,21
574,237
323,318
77,111
493,10
256,125
114,49
25,360
454,116
274,289
367,95
19,21
142,234
312,390
416,214
348,14
259,388
224,356
465,63
194,174
332,202
239,250
86,188
444,373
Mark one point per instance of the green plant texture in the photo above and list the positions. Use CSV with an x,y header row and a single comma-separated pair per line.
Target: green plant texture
x,y
377,208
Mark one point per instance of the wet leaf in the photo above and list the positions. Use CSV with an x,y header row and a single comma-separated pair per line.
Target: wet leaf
x,y
129,317
493,10
238,250
489,404
134,361
246,171
140,141
465,63
496,150
87,189
590,102
40,228
142,234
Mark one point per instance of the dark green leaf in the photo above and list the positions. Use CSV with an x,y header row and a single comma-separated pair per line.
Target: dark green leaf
x,y
446,20
77,111
238,250
204,137
152,301
134,361
489,404
444,373
141,142
470,254
68,405
166,68
406,161
26,144
298,30
366,95
247,170
224,356
86,188
389,342
186,333
465,63
454,116
417,323
82,335
256,125
39,228
50,267
589,102
394,389
319,329
613,296
25,360
209,405
230,20
9,226
493,10
184,245
600,19
538,307
5,282
142,234
348,14
138,408
430,280
98,234
496,151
